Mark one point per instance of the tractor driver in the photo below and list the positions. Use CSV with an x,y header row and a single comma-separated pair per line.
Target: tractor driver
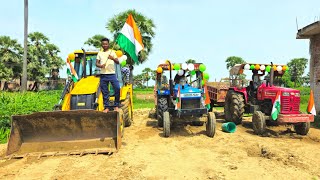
x,y
182,80
105,60
256,78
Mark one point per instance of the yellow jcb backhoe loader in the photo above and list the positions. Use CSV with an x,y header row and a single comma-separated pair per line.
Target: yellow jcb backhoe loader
x,y
77,124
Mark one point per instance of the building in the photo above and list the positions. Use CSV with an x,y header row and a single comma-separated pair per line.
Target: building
x,y
312,32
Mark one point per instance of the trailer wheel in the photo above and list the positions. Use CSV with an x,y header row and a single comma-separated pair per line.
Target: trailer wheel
x,y
302,128
258,123
166,124
211,125
162,107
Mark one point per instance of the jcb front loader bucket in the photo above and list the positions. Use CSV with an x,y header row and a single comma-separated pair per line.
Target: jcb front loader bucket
x,y
64,133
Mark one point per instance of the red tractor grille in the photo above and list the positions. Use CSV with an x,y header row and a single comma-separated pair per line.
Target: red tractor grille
x,y
290,104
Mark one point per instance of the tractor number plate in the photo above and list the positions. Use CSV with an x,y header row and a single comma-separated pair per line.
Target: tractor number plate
x,y
191,95
81,104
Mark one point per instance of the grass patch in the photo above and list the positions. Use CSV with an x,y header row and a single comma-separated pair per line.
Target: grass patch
x,y
142,103
143,91
16,103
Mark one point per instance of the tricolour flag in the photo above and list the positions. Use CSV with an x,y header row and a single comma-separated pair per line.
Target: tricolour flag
x,y
206,97
178,99
276,106
130,39
311,109
71,72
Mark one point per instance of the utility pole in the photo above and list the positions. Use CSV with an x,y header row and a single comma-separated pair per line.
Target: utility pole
x,y
24,67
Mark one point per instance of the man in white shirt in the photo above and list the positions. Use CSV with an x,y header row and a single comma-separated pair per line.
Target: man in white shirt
x,y
105,60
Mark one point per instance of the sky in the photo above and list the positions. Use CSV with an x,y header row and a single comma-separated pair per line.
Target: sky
x,y
208,31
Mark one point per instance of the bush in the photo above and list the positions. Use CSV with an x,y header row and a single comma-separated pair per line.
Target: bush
x,y
25,103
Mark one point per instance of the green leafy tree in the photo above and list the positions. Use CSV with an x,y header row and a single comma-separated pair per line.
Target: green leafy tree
x,y
146,27
297,67
10,58
233,60
138,80
306,79
192,61
95,40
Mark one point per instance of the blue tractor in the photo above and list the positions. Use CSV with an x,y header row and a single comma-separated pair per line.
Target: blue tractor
x,y
180,100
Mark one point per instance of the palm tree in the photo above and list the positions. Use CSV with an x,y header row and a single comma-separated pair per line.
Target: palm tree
x,y
10,58
42,58
95,40
145,25
54,62
146,75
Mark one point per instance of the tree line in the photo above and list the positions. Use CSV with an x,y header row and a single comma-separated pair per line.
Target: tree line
x,y
43,56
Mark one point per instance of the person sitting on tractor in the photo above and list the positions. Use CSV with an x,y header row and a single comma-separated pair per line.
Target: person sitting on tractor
x,y
182,80
255,83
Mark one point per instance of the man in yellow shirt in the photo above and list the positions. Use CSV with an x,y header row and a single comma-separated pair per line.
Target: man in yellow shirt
x,y
105,60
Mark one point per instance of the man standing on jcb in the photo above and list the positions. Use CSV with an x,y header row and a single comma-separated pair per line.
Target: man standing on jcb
x,y
105,60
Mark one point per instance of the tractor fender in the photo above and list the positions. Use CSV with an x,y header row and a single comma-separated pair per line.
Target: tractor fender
x,y
242,91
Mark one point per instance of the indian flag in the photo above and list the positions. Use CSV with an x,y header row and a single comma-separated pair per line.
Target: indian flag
x,y
178,99
130,39
276,107
71,72
311,109
206,97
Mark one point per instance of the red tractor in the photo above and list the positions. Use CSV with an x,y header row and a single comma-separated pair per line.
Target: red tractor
x,y
258,97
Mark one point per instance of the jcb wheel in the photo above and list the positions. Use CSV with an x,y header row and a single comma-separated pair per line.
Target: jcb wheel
x,y
161,108
166,124
234,107
211,124
302,128
127,112
258,123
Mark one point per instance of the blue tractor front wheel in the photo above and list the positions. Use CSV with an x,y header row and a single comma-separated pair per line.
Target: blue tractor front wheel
x,y
211,125
166,124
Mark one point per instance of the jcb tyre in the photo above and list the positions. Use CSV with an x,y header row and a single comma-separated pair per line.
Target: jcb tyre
x,y
127,112
234,107
166,124
211,125
258,123
161,108
302,128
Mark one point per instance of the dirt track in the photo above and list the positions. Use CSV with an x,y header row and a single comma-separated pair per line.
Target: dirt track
x,y
187,154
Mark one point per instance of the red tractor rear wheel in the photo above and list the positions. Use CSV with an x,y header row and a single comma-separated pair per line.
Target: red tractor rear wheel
x,y
234,107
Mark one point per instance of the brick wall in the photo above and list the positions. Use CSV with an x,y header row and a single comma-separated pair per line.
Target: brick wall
x,y
315,69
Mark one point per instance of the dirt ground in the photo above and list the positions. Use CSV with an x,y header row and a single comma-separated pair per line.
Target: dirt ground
x,y
187,154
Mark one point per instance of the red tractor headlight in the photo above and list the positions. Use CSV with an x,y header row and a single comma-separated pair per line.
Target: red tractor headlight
x,y
285,94
297,95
